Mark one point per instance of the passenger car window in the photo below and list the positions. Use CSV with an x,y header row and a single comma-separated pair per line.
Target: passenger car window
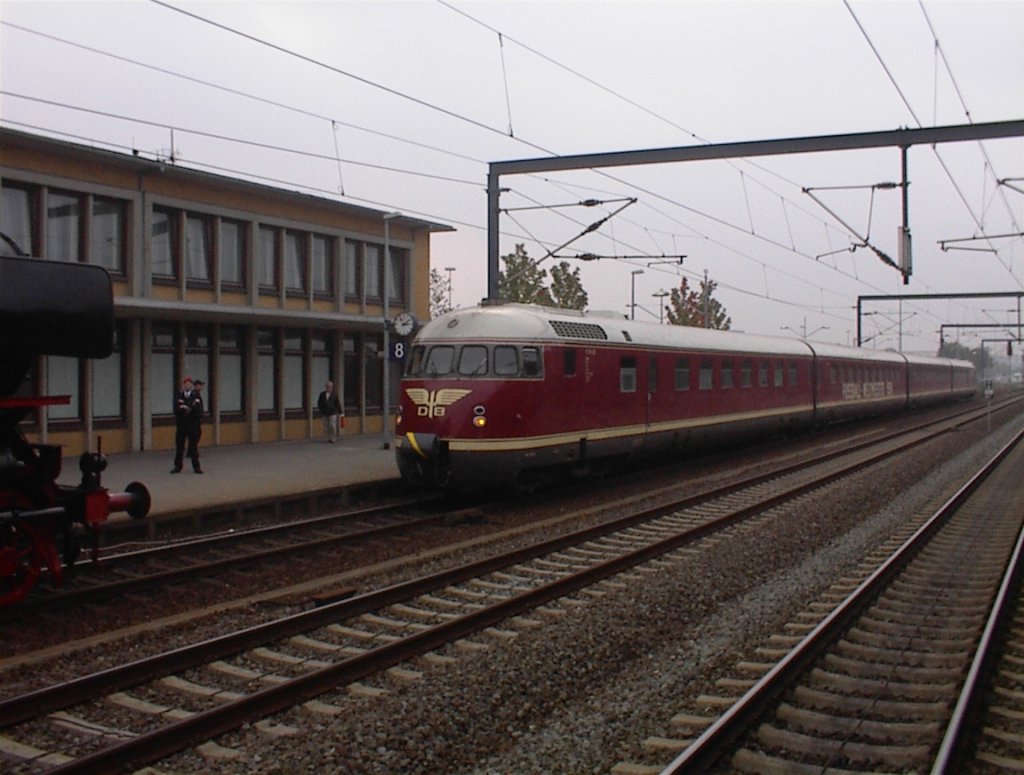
x,y
473,360
531,362
569,362
705,378
682,371
727,374
506,361
627,375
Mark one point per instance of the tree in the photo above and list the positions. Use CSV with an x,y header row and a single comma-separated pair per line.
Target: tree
x,y
522,280
688,307
979,357
439,297
566,288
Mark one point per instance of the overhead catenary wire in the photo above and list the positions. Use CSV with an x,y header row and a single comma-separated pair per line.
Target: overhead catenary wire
x,y
790,247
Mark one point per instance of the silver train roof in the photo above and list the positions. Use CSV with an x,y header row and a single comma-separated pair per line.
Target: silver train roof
x,y
531,322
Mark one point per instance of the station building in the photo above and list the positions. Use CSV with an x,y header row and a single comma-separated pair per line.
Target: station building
x,y
263,293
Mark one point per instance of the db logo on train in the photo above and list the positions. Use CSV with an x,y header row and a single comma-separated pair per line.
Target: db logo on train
x,y
433,403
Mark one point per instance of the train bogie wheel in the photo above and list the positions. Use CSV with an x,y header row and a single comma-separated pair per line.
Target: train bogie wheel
x,y
21,562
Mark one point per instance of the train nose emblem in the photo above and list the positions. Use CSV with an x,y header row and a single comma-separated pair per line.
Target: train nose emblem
x,y
434,403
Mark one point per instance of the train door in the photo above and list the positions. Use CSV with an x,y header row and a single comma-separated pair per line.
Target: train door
x,y
652,388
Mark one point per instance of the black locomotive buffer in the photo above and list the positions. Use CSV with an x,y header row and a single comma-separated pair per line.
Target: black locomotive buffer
x,y
49,308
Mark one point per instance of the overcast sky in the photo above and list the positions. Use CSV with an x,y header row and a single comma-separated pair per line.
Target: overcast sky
x,y
402,105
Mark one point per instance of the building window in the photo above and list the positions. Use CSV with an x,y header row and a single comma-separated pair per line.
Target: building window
x,y
231,254
321,348
230,387
63,233
352,271
323,265
78,227
16,209
267,260
163,244
294,385
108,381
198,348
372,271
266,369
197,249
352,370
162,384
373,371
295,262
107,234
399,264
63,379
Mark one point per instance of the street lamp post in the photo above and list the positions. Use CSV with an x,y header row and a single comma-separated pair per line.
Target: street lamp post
x,y
386,374
660,296
632,293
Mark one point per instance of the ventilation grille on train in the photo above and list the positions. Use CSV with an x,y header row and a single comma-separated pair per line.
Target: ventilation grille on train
x,y
578,330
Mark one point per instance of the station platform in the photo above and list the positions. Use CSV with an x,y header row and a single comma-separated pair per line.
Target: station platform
x,y
307,477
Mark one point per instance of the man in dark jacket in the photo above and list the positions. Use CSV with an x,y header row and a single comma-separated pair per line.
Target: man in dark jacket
x,y
330,409
188,413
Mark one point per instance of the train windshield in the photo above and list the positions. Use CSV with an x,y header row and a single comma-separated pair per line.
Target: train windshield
x,y
474,360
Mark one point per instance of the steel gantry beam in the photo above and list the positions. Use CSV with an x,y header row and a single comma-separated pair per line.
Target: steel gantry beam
x,y
899,138
933,296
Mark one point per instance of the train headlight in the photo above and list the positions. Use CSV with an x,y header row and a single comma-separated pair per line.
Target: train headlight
x,y
479,416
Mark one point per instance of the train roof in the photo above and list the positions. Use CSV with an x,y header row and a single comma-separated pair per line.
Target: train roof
x,y
536,323
530,322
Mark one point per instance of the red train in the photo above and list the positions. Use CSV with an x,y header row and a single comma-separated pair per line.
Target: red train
x,y
49,308
507,394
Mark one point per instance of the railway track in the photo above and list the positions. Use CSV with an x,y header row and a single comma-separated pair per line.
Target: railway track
x,y
888,677
129,572
149,709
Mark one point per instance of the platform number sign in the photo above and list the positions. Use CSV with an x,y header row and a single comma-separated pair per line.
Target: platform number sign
x,y
398,350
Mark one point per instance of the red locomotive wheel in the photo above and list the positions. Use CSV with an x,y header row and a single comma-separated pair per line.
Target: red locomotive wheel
x,y
21,562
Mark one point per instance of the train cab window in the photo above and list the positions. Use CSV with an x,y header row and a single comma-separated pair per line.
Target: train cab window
x,y
682,374
778,375
793,375
506,361
414,366
473,360
706,378
627,375
569,362
439,360
531,362
746,374
728,375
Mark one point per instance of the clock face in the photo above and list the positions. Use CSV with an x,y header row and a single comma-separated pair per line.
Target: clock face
x,y
404,323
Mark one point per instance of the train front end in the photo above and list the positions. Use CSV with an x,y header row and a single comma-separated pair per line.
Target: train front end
x,y
470,381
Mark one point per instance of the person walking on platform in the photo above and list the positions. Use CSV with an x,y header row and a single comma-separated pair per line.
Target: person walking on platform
x,y
188,413
330,409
